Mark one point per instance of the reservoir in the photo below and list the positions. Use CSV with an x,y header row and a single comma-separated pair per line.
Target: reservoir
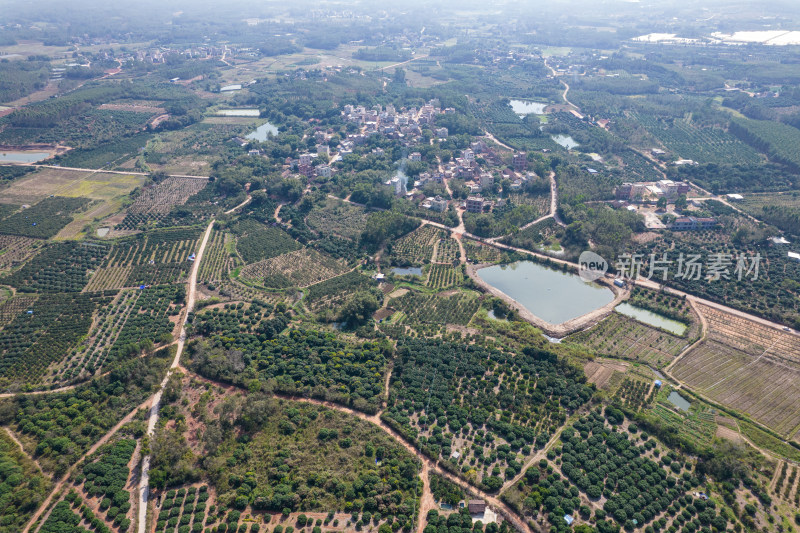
x,y
407,271
23,157
651,318
238,112
262,132
524,107
552,295
566,141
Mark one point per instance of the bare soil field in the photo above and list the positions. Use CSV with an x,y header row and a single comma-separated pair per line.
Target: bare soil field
x,y
600,372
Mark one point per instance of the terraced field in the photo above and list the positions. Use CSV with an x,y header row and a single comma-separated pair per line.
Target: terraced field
x,y
750,367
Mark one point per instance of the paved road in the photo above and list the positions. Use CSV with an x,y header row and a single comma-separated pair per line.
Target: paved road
x,y
125,173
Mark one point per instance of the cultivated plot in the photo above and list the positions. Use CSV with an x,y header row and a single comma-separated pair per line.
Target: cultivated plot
x,y
750,367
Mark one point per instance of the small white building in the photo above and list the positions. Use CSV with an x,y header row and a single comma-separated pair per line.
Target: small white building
x,y
735,197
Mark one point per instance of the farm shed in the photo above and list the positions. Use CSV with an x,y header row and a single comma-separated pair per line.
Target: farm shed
x,y
476,506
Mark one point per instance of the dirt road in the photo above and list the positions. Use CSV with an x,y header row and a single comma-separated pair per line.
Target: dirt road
x,y
152,416
60,484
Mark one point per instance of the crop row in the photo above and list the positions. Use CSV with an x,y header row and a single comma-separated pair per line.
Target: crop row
x,y
44,219
446,251
702,144
60,267
257,241
620,336
41,335
416,247
457,308
15,250
163,196
216,258
299,268
441,276
184,509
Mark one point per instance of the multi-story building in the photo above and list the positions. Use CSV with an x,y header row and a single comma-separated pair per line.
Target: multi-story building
x,y
474,204
520,161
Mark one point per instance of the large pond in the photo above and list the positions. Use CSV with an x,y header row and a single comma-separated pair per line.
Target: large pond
x,y
262,132
679,401
524,107
566,141
551,295
649,317
23,157
238,112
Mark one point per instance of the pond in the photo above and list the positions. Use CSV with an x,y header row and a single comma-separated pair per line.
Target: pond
x,y
525,107
566,141
262,132
23,157
495,317
651,318
238,112
407,271
679,401
551,295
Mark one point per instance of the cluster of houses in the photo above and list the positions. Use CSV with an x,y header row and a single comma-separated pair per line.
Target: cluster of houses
x,y
403,124
653,190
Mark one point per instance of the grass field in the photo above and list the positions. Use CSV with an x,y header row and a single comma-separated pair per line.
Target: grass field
x,y
69,183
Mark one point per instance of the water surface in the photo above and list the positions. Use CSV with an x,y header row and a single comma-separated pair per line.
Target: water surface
x,y
679,401
525,107
407,271
23,157
238,112
566,141
552,295
262,132
651,318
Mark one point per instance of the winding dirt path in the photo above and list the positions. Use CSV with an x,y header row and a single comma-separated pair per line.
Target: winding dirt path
x,y
13,437
246,201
